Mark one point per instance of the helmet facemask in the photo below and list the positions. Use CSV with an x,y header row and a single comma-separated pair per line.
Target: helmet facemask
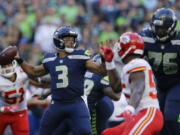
x,y
8,70
70,49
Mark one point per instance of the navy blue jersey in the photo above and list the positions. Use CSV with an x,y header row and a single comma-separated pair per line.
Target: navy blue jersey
x,y
94,84
67,74
164,58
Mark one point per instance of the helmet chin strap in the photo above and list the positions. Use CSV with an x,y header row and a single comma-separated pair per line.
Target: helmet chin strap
x,y
8,75
69,50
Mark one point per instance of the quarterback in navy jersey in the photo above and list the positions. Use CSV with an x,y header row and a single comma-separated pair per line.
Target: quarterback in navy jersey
x,y
162,50
99,103
67,68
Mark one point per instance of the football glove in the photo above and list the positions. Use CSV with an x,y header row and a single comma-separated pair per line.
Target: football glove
x,y
107,53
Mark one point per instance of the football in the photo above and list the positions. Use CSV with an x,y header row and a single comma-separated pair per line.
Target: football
x,y
7,55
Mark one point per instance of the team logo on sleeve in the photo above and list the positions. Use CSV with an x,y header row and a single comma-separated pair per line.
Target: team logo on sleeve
x,y
87,52
105,80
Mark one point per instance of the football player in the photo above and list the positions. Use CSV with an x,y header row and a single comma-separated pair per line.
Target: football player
x,y
162,51
100,106
96,88
67,68
142,115
13,107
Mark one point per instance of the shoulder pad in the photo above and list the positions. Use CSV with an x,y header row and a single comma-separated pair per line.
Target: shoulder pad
x,y
148,35
82,52
79,54
136,65
49,57
176,39
145,31
88,74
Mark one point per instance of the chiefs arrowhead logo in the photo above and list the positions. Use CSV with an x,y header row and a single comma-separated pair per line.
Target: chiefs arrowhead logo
x,y
124,39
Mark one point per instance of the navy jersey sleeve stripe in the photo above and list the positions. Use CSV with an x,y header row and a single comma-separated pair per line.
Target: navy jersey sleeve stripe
x,y
48,59
82,57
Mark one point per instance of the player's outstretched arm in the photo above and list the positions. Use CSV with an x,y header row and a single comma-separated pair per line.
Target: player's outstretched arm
x,y
11,53
35,71
98,69
40,83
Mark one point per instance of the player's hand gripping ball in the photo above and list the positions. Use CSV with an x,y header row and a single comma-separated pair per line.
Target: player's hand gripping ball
x,y
7,55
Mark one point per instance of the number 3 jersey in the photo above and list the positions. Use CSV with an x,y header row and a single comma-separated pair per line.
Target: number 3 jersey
x,y
67,74
14,92
149,97
164,58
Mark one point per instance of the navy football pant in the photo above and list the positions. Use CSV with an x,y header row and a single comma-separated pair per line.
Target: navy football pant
x,y
170,106
64,128
77,113
101,114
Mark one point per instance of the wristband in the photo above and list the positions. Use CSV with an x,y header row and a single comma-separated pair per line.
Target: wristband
x,y
110,65
19,61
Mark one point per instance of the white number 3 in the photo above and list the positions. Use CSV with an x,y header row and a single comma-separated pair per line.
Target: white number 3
x,y
63,76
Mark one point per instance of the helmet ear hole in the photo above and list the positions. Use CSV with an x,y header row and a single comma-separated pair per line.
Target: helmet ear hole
x,y
61,43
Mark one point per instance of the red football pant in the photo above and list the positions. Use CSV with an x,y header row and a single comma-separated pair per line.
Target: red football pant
x,y
148,121
18,122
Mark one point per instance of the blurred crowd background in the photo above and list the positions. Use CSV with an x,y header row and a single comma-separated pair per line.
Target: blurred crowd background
x,y
30,24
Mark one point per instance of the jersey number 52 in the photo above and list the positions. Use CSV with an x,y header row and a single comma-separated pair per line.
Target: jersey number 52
x,y
14,96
